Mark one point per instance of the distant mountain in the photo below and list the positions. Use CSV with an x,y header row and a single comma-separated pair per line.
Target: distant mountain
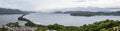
x,y
93,9
89,11
11,11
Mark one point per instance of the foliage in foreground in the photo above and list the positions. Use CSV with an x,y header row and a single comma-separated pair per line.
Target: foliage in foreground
x,y
107,25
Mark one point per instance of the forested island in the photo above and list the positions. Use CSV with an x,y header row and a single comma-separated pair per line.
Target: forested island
x,y
89,13
105,25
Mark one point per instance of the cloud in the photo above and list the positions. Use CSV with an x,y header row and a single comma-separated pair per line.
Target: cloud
x,y
84,0
57,4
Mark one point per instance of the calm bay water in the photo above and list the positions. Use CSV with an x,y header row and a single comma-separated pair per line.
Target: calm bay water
x,y
63,19
10,18
66,19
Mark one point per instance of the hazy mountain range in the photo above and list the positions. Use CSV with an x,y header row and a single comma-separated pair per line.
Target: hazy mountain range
x,y
77,11
89,11
93,9
12,11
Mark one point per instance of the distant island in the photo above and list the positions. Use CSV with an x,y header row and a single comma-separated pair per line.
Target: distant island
x,y
12,11
88,13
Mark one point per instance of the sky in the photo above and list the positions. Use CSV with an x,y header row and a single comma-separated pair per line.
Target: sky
x,y
44,5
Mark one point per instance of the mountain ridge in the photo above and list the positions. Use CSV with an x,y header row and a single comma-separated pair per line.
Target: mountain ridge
x,y
11,11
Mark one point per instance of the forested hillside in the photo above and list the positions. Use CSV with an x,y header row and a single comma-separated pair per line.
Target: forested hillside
x,y
11,11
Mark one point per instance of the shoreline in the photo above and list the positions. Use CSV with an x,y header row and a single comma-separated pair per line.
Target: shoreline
x,y
28,22
96,26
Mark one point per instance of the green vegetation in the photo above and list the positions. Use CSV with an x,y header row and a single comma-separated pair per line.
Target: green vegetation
x,y
29,23
107,25
89,13
21,18
3,29
16,24
10,24
11,11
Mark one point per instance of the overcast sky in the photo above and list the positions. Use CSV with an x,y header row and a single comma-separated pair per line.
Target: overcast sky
x,y
41,5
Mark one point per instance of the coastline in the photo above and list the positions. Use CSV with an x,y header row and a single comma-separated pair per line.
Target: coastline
x,y
58,27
